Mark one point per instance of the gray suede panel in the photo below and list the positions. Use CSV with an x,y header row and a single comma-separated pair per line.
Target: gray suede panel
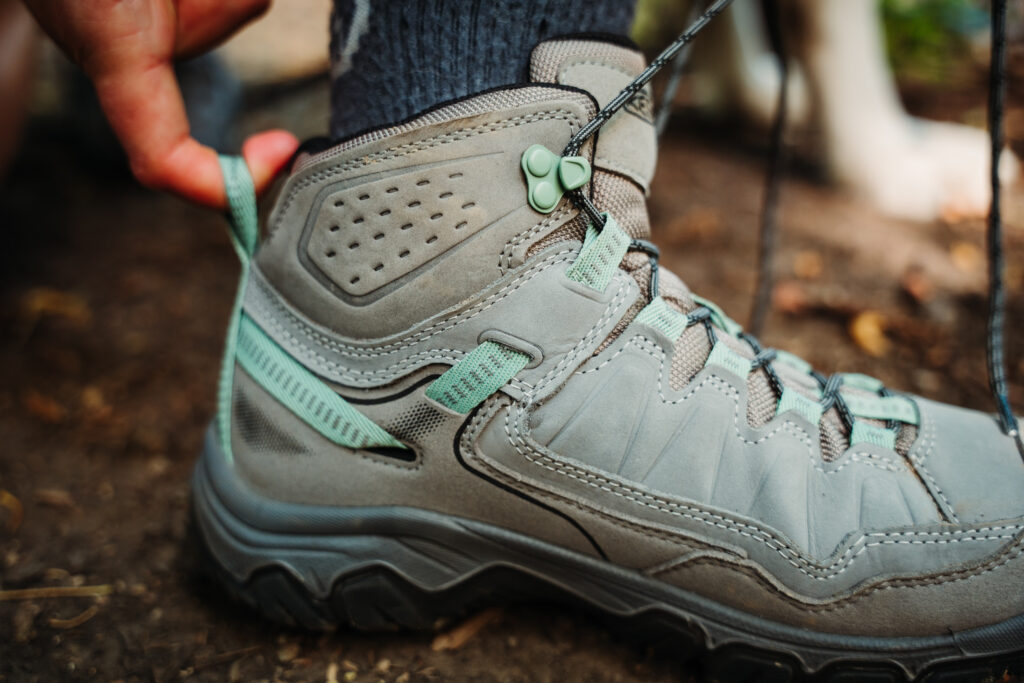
x,y
844,591
971,465
394,291
696,445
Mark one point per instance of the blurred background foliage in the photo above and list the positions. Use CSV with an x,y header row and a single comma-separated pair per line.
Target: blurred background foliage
x,y
932,40
928,41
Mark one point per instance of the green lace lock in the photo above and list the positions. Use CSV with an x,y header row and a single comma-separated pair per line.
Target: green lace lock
x,y
549,176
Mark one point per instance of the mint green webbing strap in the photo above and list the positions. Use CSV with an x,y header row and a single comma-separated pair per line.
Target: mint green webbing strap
x,y
882,408
600,256
242,218
479,374
868,433
808,407
864,382
301,392
266,362
241,196
662,317
724,357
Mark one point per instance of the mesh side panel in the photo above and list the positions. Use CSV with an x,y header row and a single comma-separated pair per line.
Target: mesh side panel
x,y
623,200
834,440
482,104
674,291
692,350
620,327
548,57
905,439
761,399
801,381
416,422
479,374
259,432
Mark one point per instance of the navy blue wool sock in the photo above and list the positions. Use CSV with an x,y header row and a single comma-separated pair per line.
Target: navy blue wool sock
x,y
392,59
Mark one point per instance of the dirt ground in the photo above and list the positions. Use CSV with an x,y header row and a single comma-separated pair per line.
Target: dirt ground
x,y
113,303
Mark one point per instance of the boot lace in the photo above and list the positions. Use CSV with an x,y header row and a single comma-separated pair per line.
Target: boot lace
x,y
710,318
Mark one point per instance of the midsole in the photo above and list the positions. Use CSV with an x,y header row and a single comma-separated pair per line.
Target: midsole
x,y
246,532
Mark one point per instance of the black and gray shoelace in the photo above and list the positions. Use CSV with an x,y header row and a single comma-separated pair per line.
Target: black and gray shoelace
x,y
676,52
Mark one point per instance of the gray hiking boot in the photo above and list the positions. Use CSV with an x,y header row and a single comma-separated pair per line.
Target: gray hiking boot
x,y
441,384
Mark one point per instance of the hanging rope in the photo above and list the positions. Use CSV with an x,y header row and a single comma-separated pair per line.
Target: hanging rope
x,y
773,179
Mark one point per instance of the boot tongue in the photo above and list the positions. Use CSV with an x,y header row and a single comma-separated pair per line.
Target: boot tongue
x,y
626,146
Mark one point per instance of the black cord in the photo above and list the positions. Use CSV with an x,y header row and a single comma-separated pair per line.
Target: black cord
x,y
572,148
994,237
672,84
773,178
630,91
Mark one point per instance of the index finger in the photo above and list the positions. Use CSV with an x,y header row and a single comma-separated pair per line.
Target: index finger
x,y
144,106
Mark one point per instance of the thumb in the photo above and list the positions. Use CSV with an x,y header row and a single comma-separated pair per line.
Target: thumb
x,y
266,154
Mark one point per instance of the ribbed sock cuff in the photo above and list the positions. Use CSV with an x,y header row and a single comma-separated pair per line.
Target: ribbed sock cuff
x,y
392,59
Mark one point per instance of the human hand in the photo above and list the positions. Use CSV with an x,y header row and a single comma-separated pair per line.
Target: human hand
x,y
127,48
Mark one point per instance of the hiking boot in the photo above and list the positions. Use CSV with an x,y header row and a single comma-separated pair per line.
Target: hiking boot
x,y
445,384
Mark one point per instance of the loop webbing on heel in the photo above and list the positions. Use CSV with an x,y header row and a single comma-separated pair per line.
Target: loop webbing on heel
x,y
244,230
242,215
271,366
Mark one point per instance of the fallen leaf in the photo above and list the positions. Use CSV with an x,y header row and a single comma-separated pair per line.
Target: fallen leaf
x,y
56,574
868,331
789,297
918,285
43,407
458,636
43,301
808,265
288,652
157,466
58,498
15,512
94,405
967,257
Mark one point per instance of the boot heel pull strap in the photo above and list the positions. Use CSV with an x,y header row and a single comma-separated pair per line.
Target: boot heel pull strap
x,y
242,214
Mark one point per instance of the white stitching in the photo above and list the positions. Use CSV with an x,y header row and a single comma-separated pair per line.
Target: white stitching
x,y
439,327
645,344
918,463
505,259
614,306
792,555
427,143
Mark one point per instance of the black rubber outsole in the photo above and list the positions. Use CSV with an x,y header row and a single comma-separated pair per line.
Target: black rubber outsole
x,y
379,600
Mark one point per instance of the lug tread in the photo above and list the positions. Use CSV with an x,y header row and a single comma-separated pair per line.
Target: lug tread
x,y
380,600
